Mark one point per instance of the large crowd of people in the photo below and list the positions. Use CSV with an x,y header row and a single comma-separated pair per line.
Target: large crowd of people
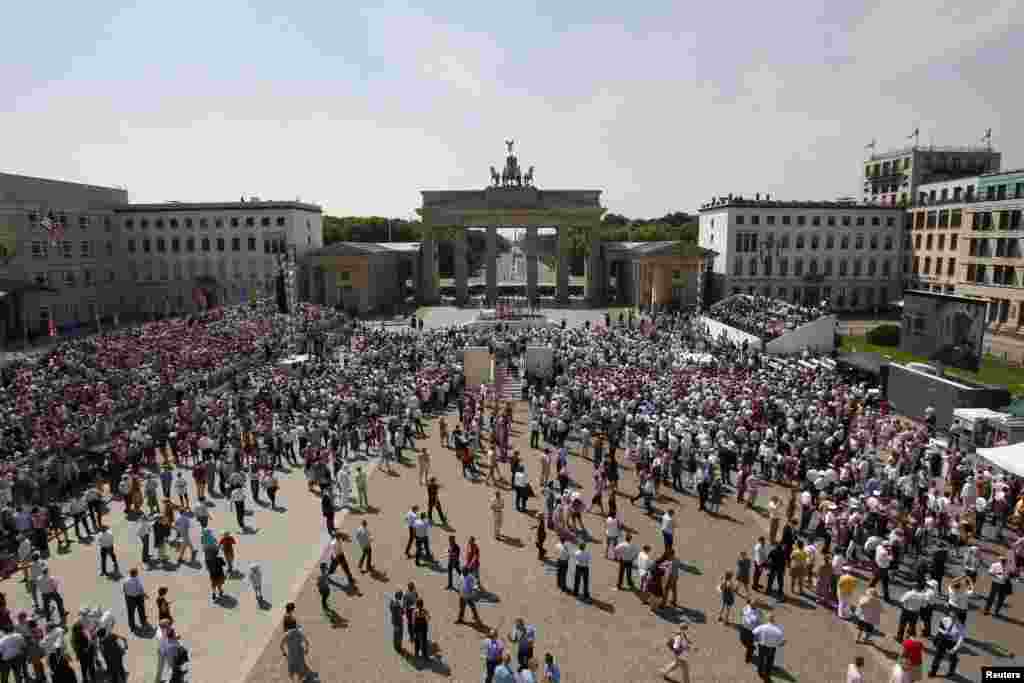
x,y
871,496
761,316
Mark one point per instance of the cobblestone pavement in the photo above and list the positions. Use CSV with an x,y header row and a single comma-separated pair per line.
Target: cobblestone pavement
x,y
614,638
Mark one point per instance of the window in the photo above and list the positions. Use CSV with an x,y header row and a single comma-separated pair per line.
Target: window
x,y
129,223
860,220
859,243
830,241
40,249
86,277
783,267
798,267
250,221
174,222
144,223
799,241
952,242
927,264
190,244
801,220
770,220
740,219
159,222
66,249
737,267
944,218
165,273
110,248
206,244
752,267
815,220
86,248
856,267
871,267
161,245
842,269
844,242
874,242
938,265
220,244
814,242
280,221
175,245
236,244
919,220
252,244
828,268
188,222
812,267
177,270
942,242
890,221
845,220
831,220
784,242
928,243
917,242
886,268
131,246
786,220
234,222
888,242
755,219
69,278
219,222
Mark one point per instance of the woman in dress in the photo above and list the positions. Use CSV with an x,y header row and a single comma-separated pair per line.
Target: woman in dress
x,y
497,512
295,646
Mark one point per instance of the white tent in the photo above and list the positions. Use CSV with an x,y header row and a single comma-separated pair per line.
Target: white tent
x,y
1009,458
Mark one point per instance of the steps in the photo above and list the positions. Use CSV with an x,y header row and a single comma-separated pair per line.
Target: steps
x,y
507,386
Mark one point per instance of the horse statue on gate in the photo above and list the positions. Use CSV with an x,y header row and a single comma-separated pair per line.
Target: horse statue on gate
x,y
495,177
511,176
528,178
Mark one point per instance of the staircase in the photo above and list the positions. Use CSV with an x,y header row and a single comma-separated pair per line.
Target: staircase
x,y
507,387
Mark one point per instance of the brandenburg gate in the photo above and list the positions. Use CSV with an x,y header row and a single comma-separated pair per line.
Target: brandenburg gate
x,y
512,200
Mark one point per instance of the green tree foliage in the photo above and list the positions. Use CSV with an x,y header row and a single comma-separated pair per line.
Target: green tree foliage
x,y
369,229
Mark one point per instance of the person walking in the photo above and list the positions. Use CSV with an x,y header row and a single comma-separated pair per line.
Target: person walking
x,y
323,586
396,616
215,566
454,556
668,527
433,502
583,559
363,498
183,525
338,559
727,595
106,544
410,522
423,459
1000,587
494,653
680,647
948,639
769,637
421,528
421,626
467,598
144,531
750,620
521,485
364,539
113,647
497,513
135,597
869,615
238,500
525,637
542,535
294,648
49,592
227,545
564,550
910,611
626,553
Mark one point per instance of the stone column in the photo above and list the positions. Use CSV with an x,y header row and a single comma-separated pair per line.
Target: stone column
x,y
492,264
461,268
531,265
562,273
595,269
428,267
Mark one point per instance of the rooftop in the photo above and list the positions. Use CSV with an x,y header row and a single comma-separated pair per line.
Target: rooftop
x,y
940,149
255,205
747,203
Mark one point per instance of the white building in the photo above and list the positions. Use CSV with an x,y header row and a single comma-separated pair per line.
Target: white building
x,y
894,177
133,260
805,252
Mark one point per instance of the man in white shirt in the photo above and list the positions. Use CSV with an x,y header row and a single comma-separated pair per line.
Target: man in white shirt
x,y
911,603
751,620
106,543
135,599
769,637
49,591
421,530
668,528
521,484
997,593
363,539
410,520
882,561
565,551
760,559
626,553
583,559
238,499
143,531
183,525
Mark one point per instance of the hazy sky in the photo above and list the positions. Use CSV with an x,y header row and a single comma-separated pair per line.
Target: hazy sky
x,y
660,104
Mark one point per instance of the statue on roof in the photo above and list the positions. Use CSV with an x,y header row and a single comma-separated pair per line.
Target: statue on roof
x,y
509,144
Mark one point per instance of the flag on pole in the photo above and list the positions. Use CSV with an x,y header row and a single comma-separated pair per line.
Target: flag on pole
x,y
913,135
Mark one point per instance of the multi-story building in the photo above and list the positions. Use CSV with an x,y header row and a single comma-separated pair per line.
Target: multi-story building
x,y
932,239
991,257
109,257
805,252
238,245
892,178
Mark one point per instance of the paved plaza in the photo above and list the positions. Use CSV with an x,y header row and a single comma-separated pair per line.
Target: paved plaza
x,y
614,638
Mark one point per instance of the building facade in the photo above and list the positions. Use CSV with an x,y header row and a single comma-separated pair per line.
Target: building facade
x,y
892,178
932,239
105,257
805,252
